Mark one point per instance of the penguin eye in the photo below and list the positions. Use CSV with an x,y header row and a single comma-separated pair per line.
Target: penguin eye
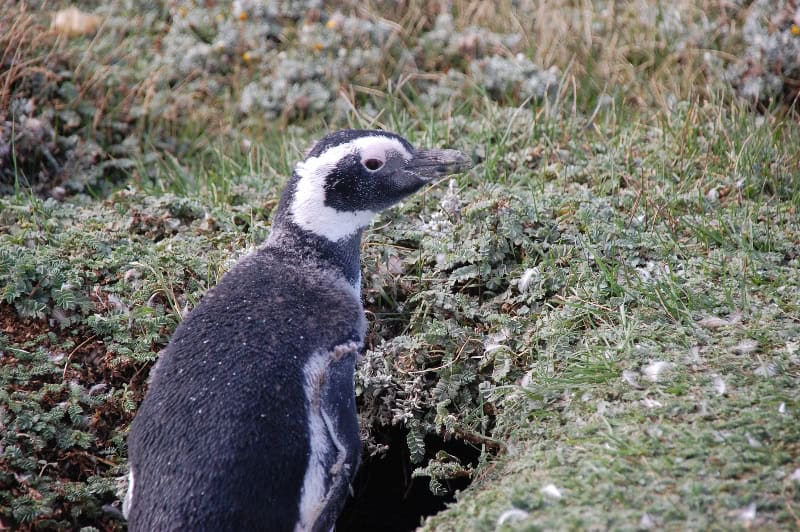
x,y
373,164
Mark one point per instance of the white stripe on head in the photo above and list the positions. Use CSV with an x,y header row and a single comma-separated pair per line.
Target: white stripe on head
x,y
308,209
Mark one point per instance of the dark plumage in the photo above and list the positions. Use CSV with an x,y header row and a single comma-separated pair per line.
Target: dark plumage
x,y
249,422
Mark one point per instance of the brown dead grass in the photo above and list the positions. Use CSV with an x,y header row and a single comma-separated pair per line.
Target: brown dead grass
x,y
22,39
615,45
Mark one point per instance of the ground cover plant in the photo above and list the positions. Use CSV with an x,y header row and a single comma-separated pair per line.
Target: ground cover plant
x,y
596,327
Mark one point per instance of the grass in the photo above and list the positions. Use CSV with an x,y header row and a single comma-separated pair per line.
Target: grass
x,y
606,307
654,254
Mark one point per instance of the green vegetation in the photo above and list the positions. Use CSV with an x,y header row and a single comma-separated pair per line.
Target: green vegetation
x,y
607,307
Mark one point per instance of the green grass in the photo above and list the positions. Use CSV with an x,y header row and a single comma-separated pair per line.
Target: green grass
x,y
654,254
653,216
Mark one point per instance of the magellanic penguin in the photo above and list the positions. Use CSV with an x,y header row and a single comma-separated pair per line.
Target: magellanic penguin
x,y
249,422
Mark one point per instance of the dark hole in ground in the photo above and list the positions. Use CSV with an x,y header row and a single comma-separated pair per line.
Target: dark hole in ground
x,y
386,498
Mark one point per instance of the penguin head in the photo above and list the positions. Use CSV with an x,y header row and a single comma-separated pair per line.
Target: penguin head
x,y
351,175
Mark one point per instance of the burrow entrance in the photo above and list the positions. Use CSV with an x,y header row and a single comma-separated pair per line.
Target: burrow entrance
x,y
386,498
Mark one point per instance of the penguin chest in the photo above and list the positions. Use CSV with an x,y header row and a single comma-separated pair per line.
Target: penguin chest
x,y
334,443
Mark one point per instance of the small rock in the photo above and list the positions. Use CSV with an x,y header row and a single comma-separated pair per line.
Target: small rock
x,y
450,202
752,441
745,347
715,322
651,403
58,193
646,522
526,278
632,378
766,370
513,514
655,370
98,388
551,490
495,341
749,513
719,385
117,304
73,22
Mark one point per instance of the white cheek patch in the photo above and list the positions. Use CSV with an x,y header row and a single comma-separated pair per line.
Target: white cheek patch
x,y
308,209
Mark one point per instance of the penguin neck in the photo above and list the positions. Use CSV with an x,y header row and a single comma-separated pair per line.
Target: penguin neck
x,y
342,256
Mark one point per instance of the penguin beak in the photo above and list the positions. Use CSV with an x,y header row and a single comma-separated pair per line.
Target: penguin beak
x,y
430,165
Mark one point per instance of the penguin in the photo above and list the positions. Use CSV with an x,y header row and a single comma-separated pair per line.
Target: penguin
x,y
249,421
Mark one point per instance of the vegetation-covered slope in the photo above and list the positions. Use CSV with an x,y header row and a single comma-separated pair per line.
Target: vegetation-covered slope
x,y
598,324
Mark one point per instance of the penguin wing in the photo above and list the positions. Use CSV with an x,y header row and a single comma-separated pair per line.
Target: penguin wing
x,y
334,439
